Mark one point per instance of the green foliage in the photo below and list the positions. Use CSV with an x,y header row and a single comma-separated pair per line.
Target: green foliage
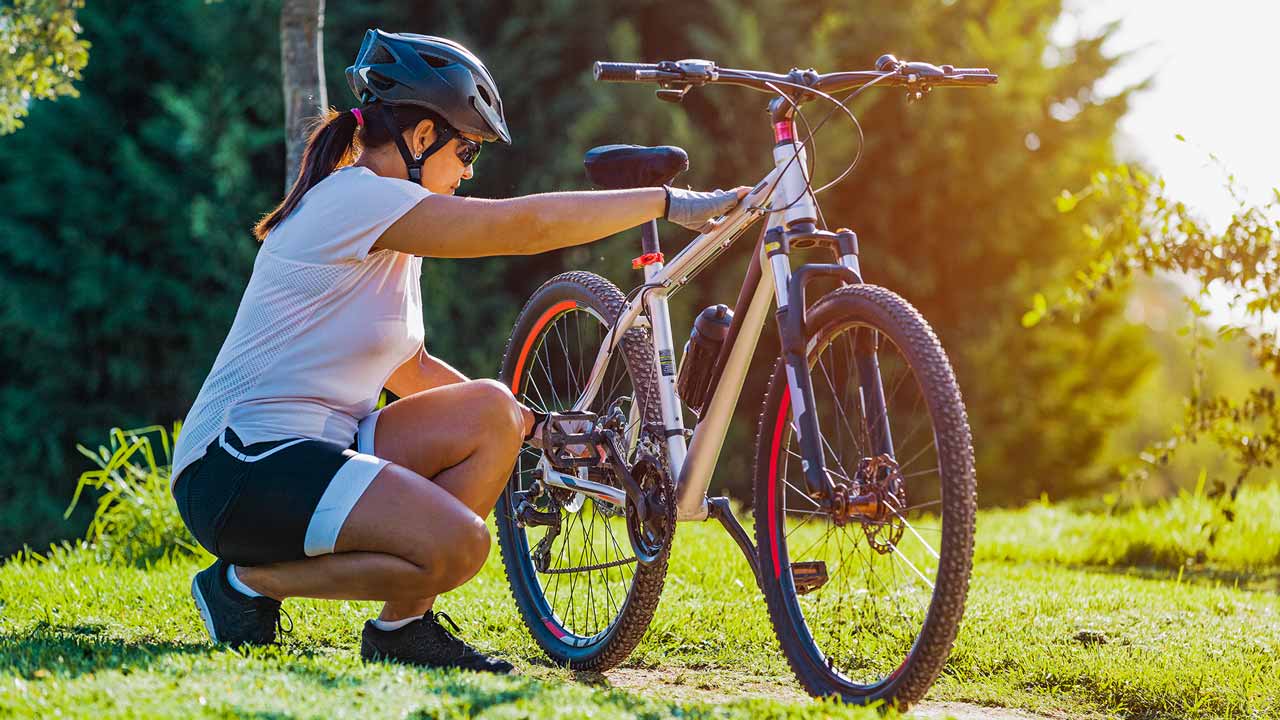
x,y
124,244
124,236
136,521
1148,232
41,55
948,200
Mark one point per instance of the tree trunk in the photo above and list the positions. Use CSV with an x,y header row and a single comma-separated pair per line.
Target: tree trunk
x,y
302,65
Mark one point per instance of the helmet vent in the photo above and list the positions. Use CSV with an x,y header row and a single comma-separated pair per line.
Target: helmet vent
x,y
435,62
484,95
380,56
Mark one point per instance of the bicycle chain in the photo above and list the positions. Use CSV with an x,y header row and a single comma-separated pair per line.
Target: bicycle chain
x,y
588,568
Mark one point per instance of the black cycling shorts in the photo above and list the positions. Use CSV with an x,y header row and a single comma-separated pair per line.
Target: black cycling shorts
x,y
276,500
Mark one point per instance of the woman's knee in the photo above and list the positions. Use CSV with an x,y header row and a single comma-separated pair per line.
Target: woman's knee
x,y
457,561
501,407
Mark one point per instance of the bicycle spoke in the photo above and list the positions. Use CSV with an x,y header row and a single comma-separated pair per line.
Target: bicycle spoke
x,y
903,558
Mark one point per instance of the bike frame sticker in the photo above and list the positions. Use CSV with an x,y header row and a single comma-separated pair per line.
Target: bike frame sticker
x,y
666,358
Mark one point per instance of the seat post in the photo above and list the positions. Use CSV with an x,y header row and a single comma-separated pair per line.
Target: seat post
x,y
649,238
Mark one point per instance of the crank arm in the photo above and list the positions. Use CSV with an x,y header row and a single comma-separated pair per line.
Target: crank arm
x,y
599,491
614,452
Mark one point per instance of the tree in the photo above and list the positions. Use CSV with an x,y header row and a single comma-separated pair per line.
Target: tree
x,y
125,246
41,55
952,197
302,69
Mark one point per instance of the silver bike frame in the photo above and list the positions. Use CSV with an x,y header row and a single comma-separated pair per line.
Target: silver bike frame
x,y
785,187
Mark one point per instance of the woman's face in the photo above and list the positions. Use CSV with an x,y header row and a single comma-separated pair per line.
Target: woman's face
x,y
443,171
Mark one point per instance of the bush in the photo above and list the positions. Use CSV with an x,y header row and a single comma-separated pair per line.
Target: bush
x,y
137,521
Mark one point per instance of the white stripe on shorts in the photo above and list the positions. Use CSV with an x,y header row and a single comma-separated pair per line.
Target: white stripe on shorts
x,y
222,442
365,431
346,487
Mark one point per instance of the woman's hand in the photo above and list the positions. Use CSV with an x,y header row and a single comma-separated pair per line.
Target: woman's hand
x,y
529,419
693,210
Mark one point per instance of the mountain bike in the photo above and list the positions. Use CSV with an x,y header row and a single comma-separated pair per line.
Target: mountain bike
x,y
864,487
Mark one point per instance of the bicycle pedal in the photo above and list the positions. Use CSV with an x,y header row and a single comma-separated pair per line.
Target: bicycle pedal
x,y
570,439
808,576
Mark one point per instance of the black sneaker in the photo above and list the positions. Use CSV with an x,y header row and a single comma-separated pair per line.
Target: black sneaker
x,y
229,615
427,643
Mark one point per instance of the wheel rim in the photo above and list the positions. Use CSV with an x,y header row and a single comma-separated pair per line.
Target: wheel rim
x,y
865,620
577,606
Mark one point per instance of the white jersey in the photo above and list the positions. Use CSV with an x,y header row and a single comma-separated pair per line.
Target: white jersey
x,y
322,325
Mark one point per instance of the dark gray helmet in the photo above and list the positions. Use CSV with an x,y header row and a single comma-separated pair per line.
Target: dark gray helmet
x,y
430,72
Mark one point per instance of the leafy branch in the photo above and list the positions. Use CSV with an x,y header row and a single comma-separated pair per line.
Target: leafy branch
x,y
41,55
1149,232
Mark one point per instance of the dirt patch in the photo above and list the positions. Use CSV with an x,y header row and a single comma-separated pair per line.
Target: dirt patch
x,y
720,686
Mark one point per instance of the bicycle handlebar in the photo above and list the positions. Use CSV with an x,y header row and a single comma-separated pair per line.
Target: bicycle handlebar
x,y
889,71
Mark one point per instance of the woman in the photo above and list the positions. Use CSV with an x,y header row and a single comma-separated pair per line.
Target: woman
x,y
283,469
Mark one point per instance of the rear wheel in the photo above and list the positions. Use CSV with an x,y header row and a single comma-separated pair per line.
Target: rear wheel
x,y
866,601
586,599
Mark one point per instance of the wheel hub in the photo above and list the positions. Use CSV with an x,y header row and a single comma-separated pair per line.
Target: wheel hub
x,y
875,500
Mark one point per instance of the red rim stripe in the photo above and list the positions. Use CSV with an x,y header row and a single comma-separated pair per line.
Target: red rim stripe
x,y
554,310
783,407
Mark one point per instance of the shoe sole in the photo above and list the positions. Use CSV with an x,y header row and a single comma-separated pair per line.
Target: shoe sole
x,y
203,608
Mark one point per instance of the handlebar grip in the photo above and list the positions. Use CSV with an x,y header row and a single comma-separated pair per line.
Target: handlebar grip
x,y
621,72
973,79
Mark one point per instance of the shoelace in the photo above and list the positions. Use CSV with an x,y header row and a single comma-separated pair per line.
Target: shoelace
x,y
271,612
442,614
449,637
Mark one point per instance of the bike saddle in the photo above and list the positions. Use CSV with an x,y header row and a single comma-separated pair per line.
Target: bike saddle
x,y
631,166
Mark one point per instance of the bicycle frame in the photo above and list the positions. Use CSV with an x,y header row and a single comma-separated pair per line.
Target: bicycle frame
x,y
787,187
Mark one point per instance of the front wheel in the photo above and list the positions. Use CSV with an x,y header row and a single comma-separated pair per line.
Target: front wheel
x,y
866,599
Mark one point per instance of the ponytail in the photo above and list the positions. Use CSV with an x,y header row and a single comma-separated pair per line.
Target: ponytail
x,y
332,145
335,143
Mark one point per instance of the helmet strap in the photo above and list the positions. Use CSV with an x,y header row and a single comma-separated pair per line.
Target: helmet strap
x,y
444,133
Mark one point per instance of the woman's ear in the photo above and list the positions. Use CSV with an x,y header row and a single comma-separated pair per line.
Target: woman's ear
x,y
423,135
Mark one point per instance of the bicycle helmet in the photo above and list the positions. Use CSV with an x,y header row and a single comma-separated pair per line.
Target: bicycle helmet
x,y
430,72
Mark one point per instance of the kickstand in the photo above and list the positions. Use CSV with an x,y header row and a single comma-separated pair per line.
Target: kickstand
x,y
718,508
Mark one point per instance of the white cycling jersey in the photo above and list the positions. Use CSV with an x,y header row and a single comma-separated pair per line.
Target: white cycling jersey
x,y
323,322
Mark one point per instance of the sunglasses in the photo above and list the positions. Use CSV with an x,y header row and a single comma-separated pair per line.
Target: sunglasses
x,y
468,149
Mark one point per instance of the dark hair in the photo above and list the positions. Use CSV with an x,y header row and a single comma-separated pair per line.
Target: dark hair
x,y
334,143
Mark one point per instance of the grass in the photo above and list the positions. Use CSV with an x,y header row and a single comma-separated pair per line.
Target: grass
x,y
1074,613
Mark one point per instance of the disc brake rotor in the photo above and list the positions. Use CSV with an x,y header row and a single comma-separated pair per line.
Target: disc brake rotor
x,y
876,500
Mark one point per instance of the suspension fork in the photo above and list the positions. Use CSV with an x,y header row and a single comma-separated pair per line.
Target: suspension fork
x,y
871,391
790,288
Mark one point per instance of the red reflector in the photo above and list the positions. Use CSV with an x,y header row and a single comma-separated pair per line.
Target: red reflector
x,y
646,259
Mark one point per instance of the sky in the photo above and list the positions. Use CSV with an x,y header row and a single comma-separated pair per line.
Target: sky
x,y
1216,71
1215,68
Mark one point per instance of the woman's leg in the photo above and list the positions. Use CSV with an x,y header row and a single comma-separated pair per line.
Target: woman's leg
x,y
409,538
470,453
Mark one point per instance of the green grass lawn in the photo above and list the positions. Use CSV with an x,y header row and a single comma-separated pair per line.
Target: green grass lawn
x,y
1069,613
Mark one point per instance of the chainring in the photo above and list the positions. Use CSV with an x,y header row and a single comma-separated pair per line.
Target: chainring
x,y
651,536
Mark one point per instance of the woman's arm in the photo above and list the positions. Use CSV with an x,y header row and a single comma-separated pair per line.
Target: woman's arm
x,y
422,372
448,226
